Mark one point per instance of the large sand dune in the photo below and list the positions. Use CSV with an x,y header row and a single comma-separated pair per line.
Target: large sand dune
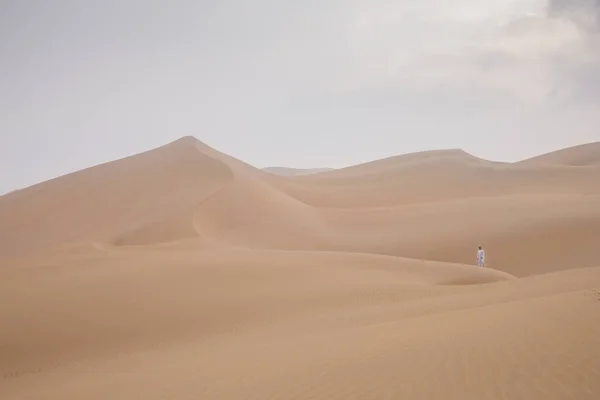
x,y
184,273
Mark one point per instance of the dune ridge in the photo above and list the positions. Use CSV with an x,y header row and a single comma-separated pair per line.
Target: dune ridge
x,y
584,155
182,272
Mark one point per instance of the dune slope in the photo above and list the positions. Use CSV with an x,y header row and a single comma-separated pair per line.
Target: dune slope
x,y
102,202
281,324
122,299
585,155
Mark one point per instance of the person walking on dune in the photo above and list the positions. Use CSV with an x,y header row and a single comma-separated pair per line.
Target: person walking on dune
x,y
480,257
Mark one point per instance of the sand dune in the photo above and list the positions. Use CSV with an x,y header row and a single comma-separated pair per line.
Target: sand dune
x,y
412,160
211,292
577,156
104,201
516,231
411,179
183,272
295,171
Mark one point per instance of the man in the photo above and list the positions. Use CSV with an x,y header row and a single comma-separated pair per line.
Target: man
x,y
480,257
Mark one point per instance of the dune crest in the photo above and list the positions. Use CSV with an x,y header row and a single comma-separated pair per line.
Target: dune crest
x,y
405,161
585,155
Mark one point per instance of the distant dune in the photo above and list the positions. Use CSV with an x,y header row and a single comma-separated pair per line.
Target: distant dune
x,y
577,156
284,171
182,272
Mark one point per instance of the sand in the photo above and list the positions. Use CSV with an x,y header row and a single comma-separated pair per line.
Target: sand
x,y
183,273
285,171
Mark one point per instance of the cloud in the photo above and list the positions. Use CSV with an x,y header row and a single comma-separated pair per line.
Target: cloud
x,y
533,52
585,13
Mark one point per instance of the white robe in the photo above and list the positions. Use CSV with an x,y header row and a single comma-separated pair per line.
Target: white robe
x,y
480,258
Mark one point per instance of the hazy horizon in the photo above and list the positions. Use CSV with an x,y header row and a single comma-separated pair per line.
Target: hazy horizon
x,y
273,167
324,84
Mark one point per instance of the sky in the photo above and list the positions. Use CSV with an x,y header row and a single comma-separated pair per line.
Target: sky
x,y
304,84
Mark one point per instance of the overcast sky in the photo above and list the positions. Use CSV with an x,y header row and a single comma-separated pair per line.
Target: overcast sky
x,y
310,83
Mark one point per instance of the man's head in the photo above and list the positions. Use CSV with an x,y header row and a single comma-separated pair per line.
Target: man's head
x,y
479,247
